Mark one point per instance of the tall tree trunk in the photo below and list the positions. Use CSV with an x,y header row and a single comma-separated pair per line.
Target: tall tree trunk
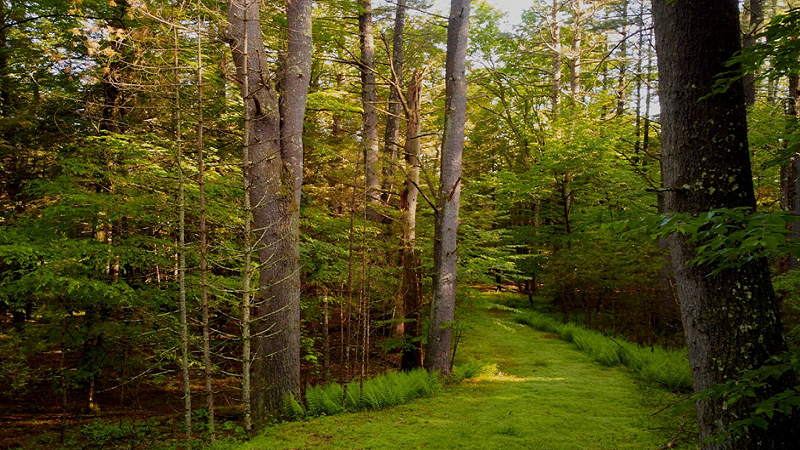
x,y
731,320
369,100
445,257
275,175
412,273
555,36
623,60
247,275
201,185
187,391
392,135
575,50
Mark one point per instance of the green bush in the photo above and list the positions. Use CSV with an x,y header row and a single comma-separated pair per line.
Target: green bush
x,y
392,388
668,368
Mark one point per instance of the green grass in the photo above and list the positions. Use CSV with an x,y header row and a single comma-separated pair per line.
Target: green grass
x,y
533,391
668,368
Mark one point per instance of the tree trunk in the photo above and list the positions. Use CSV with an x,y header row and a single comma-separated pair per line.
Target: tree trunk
x,y
623,61
753,19
392,134
274,172
412,273
731,320
369,99
445,257
201,186
575,50
187,391
555,36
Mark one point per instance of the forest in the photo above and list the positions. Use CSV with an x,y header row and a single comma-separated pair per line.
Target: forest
x,y
252,224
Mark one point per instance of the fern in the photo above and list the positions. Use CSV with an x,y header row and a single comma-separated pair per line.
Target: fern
x,y
392,388
292,408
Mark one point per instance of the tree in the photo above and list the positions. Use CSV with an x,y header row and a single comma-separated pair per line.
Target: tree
x,y
391,138
730,316
274,176
445,255
411,289
369,99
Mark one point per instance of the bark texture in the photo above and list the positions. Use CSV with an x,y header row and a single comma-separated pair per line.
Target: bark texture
x,y
274,174
445,257
731,321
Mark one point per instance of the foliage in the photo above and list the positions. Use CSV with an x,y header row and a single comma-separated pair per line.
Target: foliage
x,y
749,383
724,238
392,388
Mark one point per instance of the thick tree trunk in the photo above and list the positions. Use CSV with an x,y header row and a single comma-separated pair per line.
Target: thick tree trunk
x,y
369,99
731,320
412,273
392,135
274,173
445,257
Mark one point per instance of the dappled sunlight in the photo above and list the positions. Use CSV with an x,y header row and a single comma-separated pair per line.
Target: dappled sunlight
x,y
509,378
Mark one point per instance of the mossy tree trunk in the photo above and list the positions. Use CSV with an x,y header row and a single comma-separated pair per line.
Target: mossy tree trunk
x,y
731,319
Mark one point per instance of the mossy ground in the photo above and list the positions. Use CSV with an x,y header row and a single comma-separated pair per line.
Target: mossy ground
x,y
547,395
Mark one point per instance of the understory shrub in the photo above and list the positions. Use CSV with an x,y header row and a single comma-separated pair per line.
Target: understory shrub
x,y
391,388
669,368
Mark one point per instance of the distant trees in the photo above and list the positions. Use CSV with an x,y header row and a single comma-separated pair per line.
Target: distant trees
x,y
730,315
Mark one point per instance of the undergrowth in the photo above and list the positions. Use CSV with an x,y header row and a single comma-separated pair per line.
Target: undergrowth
x,y
389,389
668,368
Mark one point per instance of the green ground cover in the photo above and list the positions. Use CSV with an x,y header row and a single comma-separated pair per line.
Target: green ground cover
x,y
538,392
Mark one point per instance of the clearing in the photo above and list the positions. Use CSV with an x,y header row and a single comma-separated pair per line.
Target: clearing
x,y
545,395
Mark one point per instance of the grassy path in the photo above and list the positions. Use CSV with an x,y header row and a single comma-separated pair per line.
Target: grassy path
x,y
547,396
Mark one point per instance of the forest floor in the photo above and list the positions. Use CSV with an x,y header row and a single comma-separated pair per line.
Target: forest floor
x,y
543,394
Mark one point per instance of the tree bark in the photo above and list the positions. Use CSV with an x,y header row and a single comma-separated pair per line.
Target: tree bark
x,y
730,319
369,100
445,257
412,273
274,173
